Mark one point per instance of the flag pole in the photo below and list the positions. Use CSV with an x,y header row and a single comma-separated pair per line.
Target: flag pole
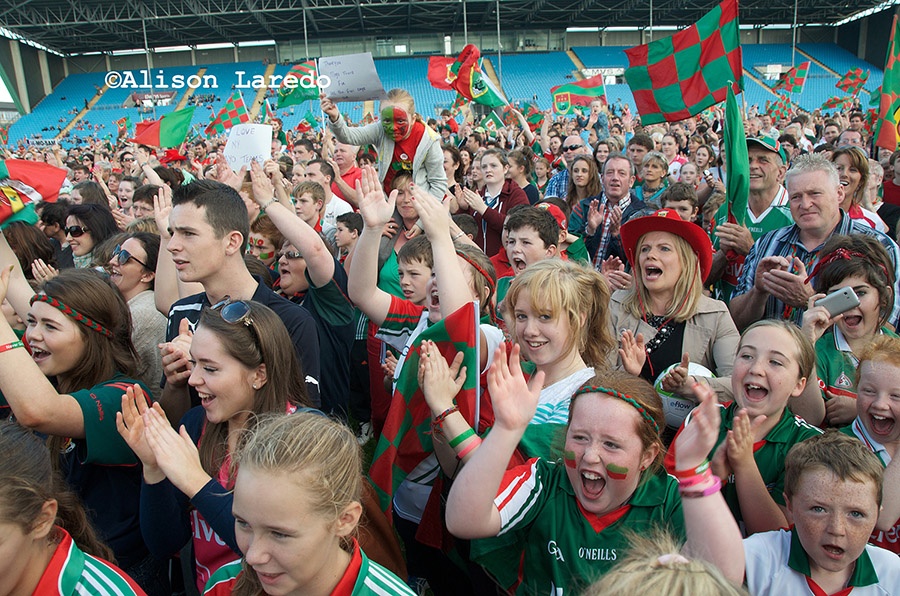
x,y
305,38
794,36
149,68
465,24
651,22
499,47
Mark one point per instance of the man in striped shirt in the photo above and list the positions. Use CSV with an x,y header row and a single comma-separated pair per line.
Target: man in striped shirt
x,y
775,280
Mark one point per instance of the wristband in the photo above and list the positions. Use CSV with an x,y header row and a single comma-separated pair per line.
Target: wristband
x,y
694,480
468,448
458,236
439,419
12,346
268,204
690,473
712,489
462,437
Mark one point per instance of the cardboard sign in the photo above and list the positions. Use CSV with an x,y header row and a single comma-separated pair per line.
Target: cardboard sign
x,y
247,142
351,77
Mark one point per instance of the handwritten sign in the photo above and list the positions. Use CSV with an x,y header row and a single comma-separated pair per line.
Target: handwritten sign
x,y
353,77
247,142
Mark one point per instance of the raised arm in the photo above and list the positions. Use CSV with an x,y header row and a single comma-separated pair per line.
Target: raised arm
x,y
362,282
471,512
319,262
712,533
18,292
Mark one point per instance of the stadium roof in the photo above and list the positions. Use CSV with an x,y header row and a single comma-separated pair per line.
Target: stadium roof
x,y
81,26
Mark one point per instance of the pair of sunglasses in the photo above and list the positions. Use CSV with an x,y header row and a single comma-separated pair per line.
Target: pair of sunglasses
x,y
122,256
77,231
236,312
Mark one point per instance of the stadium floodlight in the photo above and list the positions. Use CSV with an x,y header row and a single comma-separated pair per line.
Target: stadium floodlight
x,y
867,12
251,44
214,46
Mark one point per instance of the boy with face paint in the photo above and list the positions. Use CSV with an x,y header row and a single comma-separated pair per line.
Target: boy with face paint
x,y
403,142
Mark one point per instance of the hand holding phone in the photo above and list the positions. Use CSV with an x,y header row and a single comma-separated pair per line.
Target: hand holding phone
x,y
839,301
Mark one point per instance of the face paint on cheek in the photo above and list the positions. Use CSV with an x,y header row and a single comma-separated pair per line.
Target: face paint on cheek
x,y
265,256
395,122
569,459
616,472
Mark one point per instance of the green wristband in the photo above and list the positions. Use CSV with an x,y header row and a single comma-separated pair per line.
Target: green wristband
x,y
462,437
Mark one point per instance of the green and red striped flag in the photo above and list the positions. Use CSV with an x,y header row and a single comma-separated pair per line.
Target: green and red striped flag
x,y
579,93
168,131
4,134
233,112
853,81
406,439
680,76
466,77
794,79
835,102
296,88
889,107
25,182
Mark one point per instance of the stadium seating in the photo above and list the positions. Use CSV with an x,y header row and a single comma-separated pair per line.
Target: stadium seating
x,y
524,76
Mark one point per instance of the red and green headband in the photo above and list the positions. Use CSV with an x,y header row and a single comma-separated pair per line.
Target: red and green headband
x,y
74,314
587,388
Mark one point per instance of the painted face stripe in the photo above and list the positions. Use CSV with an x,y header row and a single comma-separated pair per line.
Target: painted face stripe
x,y
616,472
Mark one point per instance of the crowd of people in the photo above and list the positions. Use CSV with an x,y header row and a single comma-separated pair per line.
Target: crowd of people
x,y
252,382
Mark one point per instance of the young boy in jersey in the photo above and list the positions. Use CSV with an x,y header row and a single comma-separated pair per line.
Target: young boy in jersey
x,y
349,227
877,425
833,490
681,198
773,361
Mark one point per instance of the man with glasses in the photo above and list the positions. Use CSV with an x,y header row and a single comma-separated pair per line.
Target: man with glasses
x,y
558,186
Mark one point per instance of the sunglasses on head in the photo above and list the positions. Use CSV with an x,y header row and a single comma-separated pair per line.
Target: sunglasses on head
x,y
571,147
77,231
236,312
123,256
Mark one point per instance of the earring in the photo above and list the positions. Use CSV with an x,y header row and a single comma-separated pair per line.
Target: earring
x,y
255,386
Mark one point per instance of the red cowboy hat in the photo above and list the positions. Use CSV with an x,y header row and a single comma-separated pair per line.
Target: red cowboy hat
x,y
668,220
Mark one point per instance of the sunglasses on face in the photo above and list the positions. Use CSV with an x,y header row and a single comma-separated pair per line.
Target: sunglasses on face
x,y
77,231
292,255
122,256
571,147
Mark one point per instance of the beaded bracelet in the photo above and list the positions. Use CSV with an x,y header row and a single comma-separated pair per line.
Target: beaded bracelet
x,y
689,473
712,489
11,346
690,481
462,437
268,204
468,448
438,420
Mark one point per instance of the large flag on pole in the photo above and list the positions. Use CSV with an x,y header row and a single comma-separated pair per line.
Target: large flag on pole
x,y
889,107
439,72
466,77
168,131
292,92
794,79
853,81
680,76
579,93
738,180
233,112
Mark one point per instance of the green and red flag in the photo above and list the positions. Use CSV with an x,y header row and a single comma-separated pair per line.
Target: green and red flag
x,y
853,81
4,134
509,118
439,74
406,440
886,133
534,116
492,123
680,76
233,112
295,87
875,97
737,189
308,123
780,108
870,120
794,79
458,104
24,183
169,131
466,77
835,102
268,113
578,94
123,124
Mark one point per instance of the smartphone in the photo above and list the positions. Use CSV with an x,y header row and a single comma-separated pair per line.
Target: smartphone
x,y
839,301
